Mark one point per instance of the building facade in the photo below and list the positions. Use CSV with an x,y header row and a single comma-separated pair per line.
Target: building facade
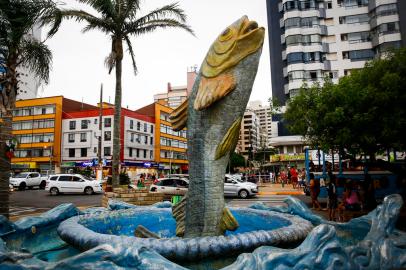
x,y
176,95
312,39
37,125
265,120
80,134
250,139
170,146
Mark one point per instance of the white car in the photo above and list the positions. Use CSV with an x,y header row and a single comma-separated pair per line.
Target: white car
x,y
72,183
27,179
179,186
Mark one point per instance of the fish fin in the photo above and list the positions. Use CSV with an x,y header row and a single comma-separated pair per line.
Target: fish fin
x,y
228,221
143,232
178,213
213,89
230,140
178,117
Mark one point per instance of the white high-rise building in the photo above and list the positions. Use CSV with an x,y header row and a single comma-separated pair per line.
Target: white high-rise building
x,y
250,140
28,82
263,112
311,39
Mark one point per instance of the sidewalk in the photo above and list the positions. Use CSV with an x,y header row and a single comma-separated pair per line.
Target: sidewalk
x,y
277,189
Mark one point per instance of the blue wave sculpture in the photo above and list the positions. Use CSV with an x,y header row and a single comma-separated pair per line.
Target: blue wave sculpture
x,y
381,246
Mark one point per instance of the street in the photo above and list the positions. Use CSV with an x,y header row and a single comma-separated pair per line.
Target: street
x,y
34,201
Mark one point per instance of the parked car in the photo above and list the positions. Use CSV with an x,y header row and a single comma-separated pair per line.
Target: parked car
x,y
236,187
72,183
171,186
27,179
179,186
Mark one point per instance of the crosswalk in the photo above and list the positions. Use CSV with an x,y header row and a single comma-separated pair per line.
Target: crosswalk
x,y
267,200
26,210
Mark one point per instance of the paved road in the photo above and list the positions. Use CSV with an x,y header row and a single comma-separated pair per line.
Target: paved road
x,y
29,201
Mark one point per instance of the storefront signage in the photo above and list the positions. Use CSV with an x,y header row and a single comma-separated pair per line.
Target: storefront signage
x,y
287,157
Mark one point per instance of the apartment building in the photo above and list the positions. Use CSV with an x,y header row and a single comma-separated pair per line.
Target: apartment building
x,y
80,133
170,146
264,114
312,39
176,95
37,128
250,139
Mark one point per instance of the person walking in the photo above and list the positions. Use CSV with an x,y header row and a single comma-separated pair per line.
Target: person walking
x,y
294,176
314,191
332,198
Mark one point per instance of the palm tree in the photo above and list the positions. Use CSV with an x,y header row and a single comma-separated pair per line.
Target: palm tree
x,y
17,49
119,19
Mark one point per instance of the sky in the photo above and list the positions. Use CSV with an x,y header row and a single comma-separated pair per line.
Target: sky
x,y
163,56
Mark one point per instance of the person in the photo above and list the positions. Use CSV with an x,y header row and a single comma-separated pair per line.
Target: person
x,y
283,177
294,176
314,191
332,198
350,201
302,177
141,181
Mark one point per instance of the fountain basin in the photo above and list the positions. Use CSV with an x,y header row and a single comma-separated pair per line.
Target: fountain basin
x,y
257,228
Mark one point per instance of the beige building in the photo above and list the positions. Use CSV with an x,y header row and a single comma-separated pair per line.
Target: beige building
x,y
175,95
250,140
263,112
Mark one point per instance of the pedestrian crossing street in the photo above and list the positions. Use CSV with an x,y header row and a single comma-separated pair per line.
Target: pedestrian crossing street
x,y
25,210
267,200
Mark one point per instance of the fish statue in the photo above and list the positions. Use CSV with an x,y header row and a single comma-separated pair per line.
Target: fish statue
x,y
212,115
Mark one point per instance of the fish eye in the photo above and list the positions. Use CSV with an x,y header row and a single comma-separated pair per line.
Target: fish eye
x,y
226,32
226,35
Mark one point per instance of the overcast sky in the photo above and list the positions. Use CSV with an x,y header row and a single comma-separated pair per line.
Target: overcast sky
x,y
163,56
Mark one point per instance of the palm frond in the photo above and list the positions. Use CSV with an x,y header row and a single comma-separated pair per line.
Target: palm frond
x,y
37,57
152,25
104,7
104,24
110,61
130,10
132,54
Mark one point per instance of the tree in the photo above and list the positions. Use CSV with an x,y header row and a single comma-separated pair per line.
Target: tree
x,y
17,49
236,160
119,19
363,114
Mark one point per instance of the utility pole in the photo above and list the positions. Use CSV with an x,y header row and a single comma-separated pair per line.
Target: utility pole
x,y
99,154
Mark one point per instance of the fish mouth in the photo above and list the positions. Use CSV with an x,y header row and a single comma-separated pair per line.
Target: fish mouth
x,y
249,27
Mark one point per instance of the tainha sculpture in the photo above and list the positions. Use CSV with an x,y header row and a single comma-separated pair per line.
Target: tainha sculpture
x,y
213,116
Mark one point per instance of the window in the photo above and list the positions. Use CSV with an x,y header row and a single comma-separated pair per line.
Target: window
x,y
65,178
138,126
145,153
360,19
107,151
384,10
95,121
107,122
83,124
387,28
152,129
94,149
43,110
72,125
76,179
132,137
130,152
107,135
329,5
151,140
151,154
145,139
83,137
145,127
83,152
71,137
138,153
71,152
359,55
131,124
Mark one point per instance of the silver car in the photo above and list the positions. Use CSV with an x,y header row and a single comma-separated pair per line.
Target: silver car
x,y
179,186
236,187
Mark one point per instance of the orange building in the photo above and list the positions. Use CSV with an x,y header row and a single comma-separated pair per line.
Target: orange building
x,y
170,146
37,126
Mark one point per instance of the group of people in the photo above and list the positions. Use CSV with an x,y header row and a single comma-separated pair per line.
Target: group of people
x,y
354,197
296,177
